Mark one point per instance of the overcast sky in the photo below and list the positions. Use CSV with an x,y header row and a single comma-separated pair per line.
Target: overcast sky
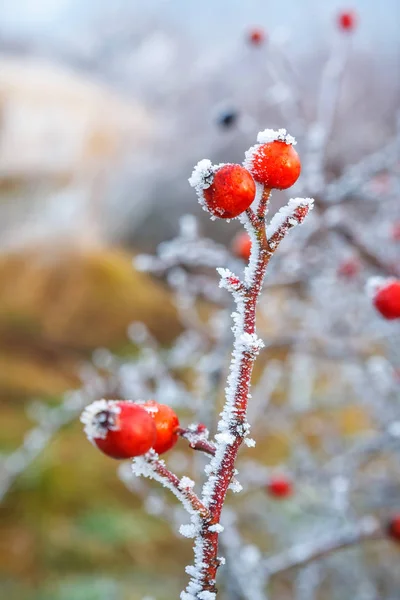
x,y
211,20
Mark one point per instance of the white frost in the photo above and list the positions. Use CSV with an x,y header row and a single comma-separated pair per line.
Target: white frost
x,y
201,177
186,482
271,135
217,528
375,284
287,214
95,425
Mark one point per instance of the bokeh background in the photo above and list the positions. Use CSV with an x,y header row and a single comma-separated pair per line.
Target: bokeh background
x,y
104,109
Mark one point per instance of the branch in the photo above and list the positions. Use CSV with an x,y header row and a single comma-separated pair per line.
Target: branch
x,y
151,467
357,175
233,427
303,554
197,436
369,257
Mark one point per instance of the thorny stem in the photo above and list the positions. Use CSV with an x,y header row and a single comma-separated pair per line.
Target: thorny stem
x,y
233,428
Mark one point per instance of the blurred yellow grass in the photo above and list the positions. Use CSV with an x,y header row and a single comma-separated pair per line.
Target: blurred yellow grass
x,y
56,307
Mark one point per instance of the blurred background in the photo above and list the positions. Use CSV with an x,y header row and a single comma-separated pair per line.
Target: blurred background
x,y
104,110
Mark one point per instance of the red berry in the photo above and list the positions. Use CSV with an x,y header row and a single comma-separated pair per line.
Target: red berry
x,y
280,487
275,164
242,246
396,232
166,422
387,299
120,429
256,36
393,528
347,20
349,268
231,192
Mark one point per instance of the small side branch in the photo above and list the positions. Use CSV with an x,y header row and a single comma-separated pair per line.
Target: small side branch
x,y
197,436
152,467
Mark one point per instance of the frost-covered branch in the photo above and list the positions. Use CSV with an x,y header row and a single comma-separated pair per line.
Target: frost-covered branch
x,y
152,467
303,554
233,428
197,436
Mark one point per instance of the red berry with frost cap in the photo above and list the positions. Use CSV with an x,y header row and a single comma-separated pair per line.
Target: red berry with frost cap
x,y
119,428
274,163
256,36
280,487
386,299
393,528
231,192
166,422
347,20
241,246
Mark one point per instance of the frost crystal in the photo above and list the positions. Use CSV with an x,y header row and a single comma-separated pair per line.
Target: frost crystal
x,y
270,135
235,486
189,530
186,482
99,417
206,596
265,137
250,443
202,175
293,213
201,179
375,284
217,528
249,342
225,437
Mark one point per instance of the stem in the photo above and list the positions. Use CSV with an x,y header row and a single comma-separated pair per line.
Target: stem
x,y
151,467
197,440
232,427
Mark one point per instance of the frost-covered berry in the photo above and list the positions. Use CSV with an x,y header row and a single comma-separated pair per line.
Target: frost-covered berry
x,y
280,487
256,36
225,191
386,297
348,269
347,20
273,161
393,528
120,429
166,422
241,246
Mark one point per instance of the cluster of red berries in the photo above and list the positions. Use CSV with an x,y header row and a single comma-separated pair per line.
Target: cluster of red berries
x,y
123,429
386,298
228,190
